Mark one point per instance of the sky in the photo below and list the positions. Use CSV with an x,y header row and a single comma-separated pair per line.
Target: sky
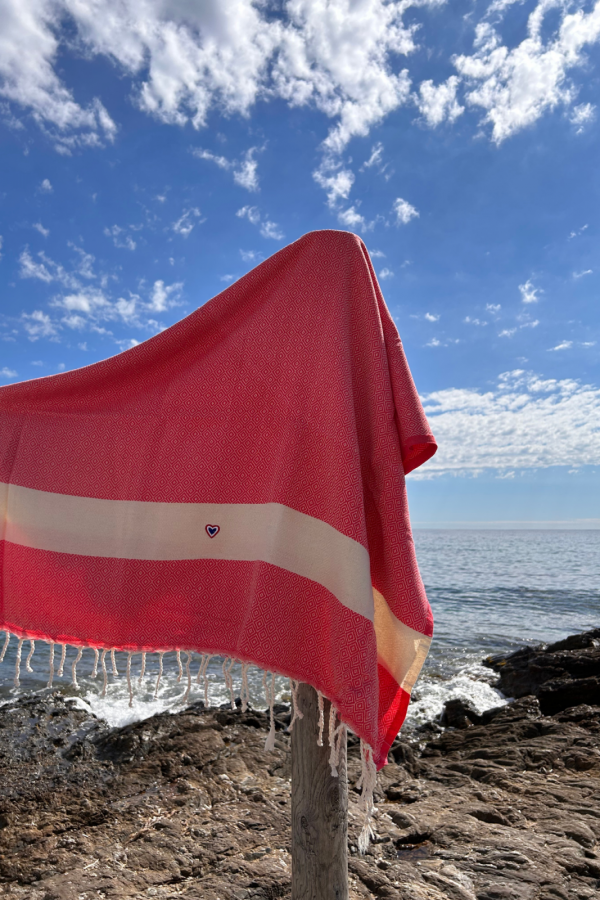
x,y
151,153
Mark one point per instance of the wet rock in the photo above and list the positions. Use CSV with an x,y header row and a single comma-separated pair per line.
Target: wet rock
x,y
459,713
190,806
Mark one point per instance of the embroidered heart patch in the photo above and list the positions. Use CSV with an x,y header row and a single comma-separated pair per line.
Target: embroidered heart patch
x,y
212,530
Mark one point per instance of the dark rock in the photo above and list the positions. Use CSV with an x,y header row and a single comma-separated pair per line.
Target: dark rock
x,y
459,713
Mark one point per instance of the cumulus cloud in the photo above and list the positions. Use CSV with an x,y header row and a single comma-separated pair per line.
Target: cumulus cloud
x,y
46,187
39,227
516,86
164,296
120,238
432,317
471,321
245,171
564,345
185,59
582,115
438,103
404,211
5,372
185,224
268,229
38,324
524,422
351,218
45,269
529,293
582,273
386,273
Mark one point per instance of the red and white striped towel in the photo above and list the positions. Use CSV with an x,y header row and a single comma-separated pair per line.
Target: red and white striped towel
x,y
234,485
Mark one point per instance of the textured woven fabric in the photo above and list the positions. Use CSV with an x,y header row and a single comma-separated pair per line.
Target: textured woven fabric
x,y
233,485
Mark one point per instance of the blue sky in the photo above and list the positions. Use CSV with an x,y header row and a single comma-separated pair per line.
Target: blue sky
x,y
154,153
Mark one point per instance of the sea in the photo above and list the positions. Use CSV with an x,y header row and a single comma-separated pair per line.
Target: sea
x,y
491,593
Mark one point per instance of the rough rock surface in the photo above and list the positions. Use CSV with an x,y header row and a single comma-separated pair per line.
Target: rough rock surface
x,y
505,806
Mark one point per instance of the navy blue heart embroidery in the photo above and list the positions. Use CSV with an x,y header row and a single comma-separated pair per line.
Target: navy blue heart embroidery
x,y
212,530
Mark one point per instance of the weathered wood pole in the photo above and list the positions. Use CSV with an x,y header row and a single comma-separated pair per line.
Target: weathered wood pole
x,y
319,809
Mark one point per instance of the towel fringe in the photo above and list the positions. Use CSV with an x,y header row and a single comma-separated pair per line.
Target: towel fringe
x,y
29,655
128,672
5,647
51,665
337,731
61,665
74,667
161,653
367,781
295,709
270,698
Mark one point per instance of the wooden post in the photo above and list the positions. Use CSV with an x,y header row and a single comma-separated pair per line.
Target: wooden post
x,y
319,809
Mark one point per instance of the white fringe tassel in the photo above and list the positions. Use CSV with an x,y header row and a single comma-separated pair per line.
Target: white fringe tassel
x,y
245,691
51,665
321,718
129,687
29,655
5,648
188,675
160,671
96,657
228,665
367,781
143,669
180,666
270,698
104,672
336,736
61,664
295,709
114,663
18,663
74,667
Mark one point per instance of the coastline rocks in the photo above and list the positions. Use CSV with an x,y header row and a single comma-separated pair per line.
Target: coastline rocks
x,y
502,806
560,675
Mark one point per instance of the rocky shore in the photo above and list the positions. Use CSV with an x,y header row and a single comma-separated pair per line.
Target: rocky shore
x,y
503,806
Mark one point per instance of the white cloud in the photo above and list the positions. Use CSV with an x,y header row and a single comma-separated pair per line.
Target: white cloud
x,y
529,293
46,187
507,332
227,278
581,274
493,307
577,233
45,270
582,115
268,229
38,324
249,212
438,104
335,180
375,158
39,227
164,296
589,344
479,322
386,273
5,372
404,211
250,256
185,224
434,343
516,86
351,218
564,345
184,59
432,317
376,254
524,422
120,238
245,171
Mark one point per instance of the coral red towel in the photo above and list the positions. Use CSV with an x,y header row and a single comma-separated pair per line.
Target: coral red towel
x,y
233,485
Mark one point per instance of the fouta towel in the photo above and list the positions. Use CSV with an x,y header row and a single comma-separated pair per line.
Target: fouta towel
x,y
234,486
